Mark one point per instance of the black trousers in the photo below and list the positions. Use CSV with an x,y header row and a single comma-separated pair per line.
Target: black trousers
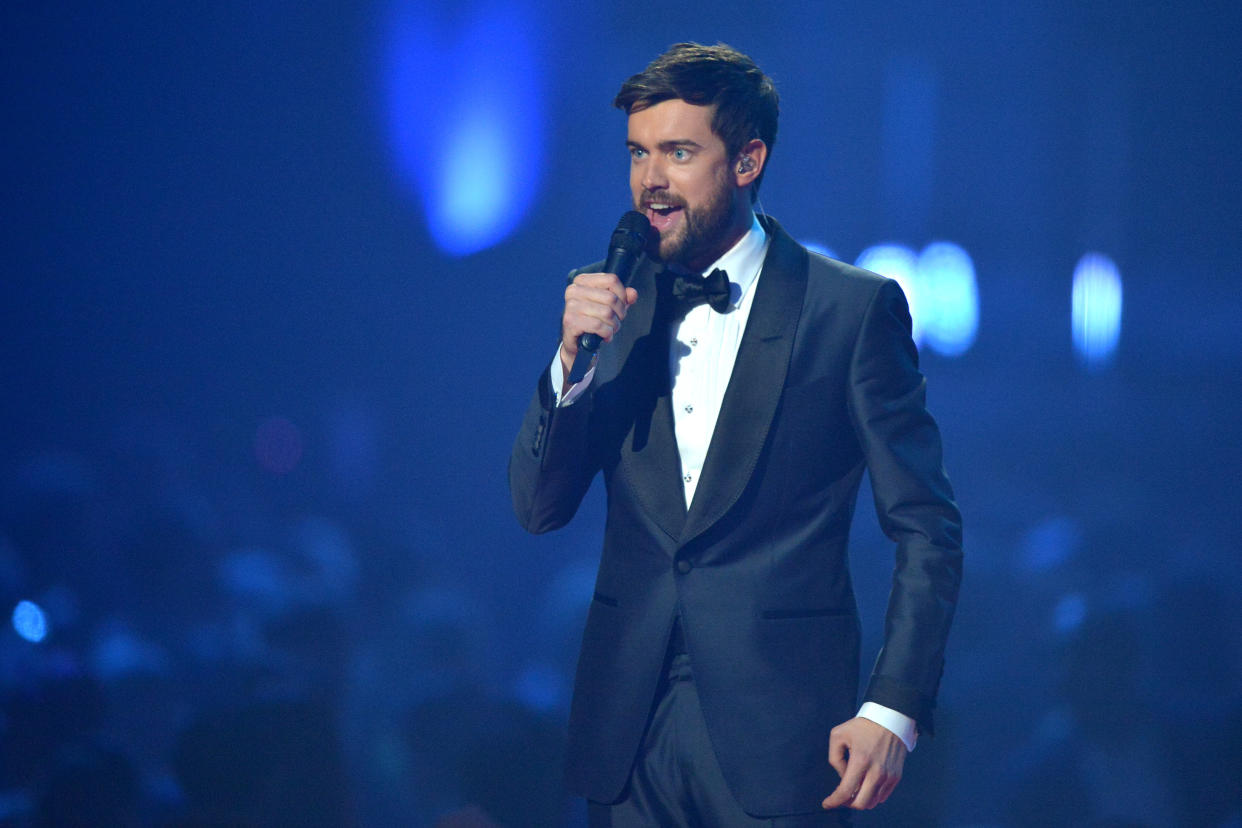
x,y
676,780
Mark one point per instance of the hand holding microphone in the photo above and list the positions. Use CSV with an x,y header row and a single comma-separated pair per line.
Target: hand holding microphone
x,y
596,303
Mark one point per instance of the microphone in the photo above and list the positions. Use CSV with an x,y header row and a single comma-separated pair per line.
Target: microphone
x,y
625,248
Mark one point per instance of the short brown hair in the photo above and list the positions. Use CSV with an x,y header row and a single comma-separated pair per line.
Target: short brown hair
x,y
745,99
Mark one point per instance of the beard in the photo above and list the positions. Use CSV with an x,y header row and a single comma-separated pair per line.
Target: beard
x,y
700,238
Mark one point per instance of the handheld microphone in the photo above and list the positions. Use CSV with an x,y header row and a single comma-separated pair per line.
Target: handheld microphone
x,y
625,248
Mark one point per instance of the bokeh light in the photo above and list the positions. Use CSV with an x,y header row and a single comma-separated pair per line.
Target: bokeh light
x,y
949,298
898,263
29,621
466,118
821,249
1096,309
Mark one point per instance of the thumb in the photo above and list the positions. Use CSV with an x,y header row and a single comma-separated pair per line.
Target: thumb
x,y
631,296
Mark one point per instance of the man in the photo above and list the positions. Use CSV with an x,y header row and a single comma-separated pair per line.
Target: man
x,y
718,676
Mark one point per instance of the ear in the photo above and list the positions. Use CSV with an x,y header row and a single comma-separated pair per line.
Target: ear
x,y
749,162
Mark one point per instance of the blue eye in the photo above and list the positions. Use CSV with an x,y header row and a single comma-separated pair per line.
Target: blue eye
x,y
681,154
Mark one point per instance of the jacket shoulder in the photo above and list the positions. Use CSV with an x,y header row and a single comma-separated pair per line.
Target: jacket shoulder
x,y
822,269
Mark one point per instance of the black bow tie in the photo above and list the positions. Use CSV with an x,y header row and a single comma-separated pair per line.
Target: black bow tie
x,y
690,291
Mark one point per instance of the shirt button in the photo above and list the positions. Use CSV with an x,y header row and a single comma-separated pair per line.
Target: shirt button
x,y
694,340
689,408
687,477
683,567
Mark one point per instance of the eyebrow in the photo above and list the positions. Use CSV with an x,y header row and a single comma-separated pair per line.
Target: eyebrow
x,y
668,145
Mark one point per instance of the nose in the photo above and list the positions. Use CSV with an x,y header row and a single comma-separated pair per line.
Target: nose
x,y
653,173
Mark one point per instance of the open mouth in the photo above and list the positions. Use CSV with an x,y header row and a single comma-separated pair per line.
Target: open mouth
x,y
661,214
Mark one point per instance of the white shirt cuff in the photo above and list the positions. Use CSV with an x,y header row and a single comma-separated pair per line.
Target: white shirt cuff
x,y
901,725
557,376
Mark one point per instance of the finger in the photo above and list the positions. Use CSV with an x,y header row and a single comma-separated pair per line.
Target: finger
x,y
886,790
619,294
590,309
605,326
837,753
851,781
587,318
603,294
867,796
584,298
609,312
602,281
840,798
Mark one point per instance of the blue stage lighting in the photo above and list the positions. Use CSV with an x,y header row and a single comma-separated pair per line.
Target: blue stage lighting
x,y
29,621
1069,613
949,298
465,117
898,263
821,249
541,687
1050,543
1096,309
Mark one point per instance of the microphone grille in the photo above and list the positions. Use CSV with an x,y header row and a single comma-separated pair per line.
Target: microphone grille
x,y
632,228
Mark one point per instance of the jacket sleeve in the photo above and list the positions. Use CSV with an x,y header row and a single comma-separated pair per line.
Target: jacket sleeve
x,y
552,462
914,504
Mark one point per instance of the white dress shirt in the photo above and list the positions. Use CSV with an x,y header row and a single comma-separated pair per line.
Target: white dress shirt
x,y
702,350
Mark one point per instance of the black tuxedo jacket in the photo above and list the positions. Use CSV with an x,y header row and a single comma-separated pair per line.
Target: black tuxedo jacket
x,y
826,382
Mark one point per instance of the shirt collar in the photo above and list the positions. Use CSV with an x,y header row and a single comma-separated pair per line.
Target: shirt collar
x,y
743,260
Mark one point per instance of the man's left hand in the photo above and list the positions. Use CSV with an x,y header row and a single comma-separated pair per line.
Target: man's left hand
x,y
869,759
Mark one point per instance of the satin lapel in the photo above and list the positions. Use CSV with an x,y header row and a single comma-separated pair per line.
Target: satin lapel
x,y
754,389
649,458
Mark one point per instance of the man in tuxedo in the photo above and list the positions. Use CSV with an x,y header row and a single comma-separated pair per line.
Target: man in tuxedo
x,y
732,417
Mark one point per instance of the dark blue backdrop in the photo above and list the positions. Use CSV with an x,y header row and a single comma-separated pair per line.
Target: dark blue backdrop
x,y
278,278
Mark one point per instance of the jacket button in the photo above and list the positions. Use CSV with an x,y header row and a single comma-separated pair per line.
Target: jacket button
x,y
683,566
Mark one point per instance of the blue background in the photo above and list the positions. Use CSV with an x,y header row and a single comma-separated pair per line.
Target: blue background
x,y
278,279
